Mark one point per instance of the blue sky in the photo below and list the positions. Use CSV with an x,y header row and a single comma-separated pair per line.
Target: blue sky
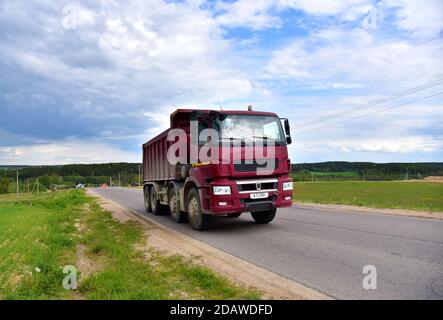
x,y
90,81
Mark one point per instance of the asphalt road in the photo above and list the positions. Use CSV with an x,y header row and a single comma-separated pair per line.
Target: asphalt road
x,y
327,249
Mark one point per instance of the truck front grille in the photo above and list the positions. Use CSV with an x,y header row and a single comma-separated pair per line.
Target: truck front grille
x,y
254,187
263,185
271,164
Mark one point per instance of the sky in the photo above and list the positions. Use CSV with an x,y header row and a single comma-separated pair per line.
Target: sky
x,y
90,81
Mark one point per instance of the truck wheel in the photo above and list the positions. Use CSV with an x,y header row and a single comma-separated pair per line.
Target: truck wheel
x,y
198,220
146,199
174,207
155,204
262,217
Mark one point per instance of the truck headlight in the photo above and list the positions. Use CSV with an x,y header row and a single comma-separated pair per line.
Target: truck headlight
x,y
288,185
221,190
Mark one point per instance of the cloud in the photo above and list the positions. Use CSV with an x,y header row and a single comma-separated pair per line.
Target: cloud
x,y
328,8
423,18
420,17
356,56
254,14
408,144
265,14
96,64
110,73
65,152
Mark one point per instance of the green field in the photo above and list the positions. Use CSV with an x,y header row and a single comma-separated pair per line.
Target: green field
x,y
424,196
39,235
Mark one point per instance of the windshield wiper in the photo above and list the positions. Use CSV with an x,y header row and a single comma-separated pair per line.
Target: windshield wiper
x,y
266,139
230,138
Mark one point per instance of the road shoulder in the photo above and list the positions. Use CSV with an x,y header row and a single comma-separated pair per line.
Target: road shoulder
x,y
271,285
369,210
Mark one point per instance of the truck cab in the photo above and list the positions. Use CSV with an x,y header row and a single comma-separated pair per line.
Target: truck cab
x,y
231,162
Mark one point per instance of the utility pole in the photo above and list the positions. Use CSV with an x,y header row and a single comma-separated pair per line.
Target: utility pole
x,y
17,183
139,175
363,175
119,181
312,177
110,182
38,187
406,175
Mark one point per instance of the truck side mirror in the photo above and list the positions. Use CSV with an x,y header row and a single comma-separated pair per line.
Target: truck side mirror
x,y
287,131
287,128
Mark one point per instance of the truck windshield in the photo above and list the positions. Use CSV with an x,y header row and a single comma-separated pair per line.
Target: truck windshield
x,y
249,128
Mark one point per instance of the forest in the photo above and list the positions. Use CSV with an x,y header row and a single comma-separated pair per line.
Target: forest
x,y
124,174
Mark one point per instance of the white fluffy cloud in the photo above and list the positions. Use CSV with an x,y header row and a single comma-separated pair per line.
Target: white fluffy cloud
x,y
110,73
65,152
255,14
263,14
409,144
356,56
424,18
92,68
150,48
348,8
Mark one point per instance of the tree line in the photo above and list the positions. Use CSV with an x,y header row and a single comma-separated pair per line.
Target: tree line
x,y
366,170
68,176
96,174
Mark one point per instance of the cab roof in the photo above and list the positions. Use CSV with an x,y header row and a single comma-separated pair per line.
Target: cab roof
x,y
240,112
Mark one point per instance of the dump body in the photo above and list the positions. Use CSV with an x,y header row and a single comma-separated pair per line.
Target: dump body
x,y
155,164
251,187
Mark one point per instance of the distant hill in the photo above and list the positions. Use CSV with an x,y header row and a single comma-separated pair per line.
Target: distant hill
x,y
367,170
72,174
93,169
343,170
14,167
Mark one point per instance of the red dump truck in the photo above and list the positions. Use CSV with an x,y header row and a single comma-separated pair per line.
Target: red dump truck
x,y
212,163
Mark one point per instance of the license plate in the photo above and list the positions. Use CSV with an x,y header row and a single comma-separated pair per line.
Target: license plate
x,y
259,195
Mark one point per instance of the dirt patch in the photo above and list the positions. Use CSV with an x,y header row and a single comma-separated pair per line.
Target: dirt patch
x,y
84,264
168,241
117,213
16,279
434,179
356,209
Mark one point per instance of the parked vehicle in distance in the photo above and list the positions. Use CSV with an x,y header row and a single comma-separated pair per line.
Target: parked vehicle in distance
x,y
255,179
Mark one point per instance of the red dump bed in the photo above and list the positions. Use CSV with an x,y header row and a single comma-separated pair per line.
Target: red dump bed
x,y
155,162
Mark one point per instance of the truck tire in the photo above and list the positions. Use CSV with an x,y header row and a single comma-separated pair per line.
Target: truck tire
x,y
198,220
155,204
263,217
146,199
174,207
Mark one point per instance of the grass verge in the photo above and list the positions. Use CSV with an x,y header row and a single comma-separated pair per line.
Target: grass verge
x,y
420,196
113,259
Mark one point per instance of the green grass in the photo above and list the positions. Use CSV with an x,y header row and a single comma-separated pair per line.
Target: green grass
x,y
400,195
43,232
36,232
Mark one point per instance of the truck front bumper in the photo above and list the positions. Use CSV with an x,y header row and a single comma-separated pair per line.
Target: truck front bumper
x,y
241,200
